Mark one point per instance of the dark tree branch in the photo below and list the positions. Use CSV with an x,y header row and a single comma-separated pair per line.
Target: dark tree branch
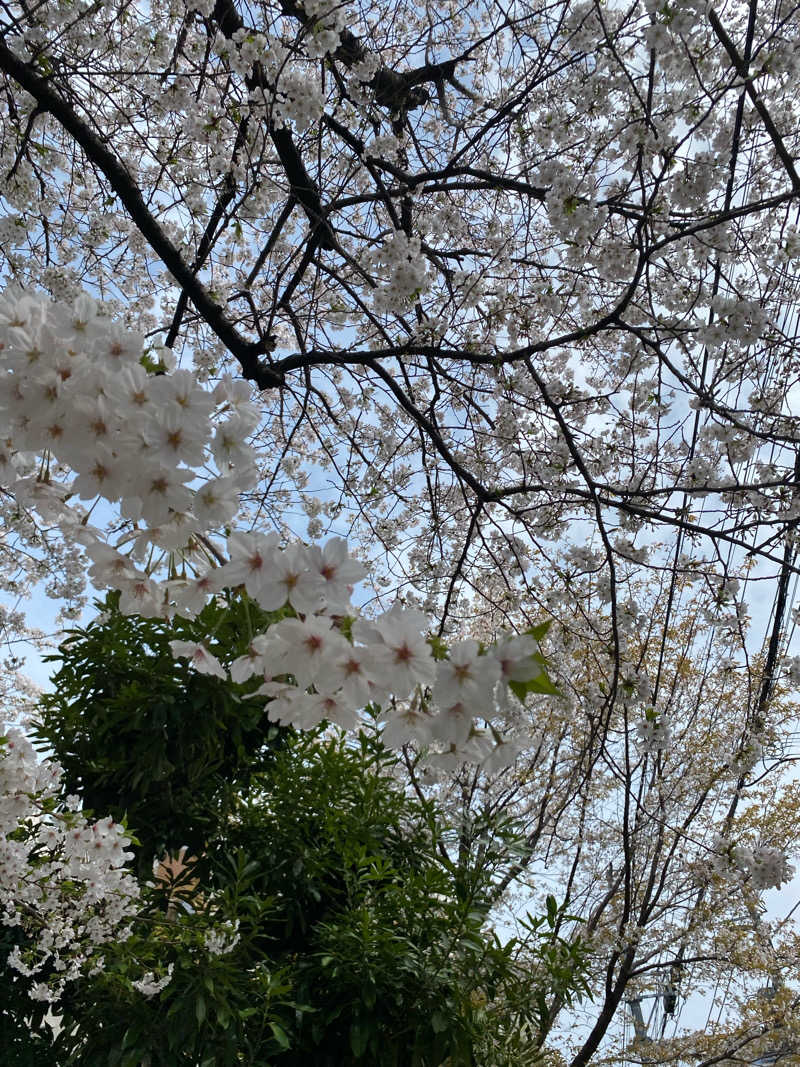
x,y
301,185
741,68
120,180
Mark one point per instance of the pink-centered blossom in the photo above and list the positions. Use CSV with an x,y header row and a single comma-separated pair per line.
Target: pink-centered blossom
x,y
337,571
302,648
203,661
514,654
403,656
466,678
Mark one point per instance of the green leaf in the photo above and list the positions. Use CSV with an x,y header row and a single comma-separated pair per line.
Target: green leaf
x,y
438,647
131,1036
359,1038
552,909
540,684
280,1035
438,1022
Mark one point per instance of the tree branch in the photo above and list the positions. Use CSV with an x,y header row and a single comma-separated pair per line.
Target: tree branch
x,y
120,180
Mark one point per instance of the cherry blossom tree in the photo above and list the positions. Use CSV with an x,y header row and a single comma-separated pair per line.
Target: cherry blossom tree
x,y
492,272
662,839
504,297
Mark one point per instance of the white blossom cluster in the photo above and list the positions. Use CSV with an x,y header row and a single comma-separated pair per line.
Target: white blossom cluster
x,y
792,665
571,214
75,398
89,421
148,985
764,866
78,399
402,268
73,385
298,99
328,19
311,672
654,733
747,755
743,321
243,49
62,879
221,940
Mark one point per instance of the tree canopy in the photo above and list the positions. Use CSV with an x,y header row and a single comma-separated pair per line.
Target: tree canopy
x,y
502,294
494,271
322,913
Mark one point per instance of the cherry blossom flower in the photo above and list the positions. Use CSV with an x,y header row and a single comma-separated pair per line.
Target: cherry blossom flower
x,y
514,654
149,985
251,557
302,648
466,678
202,660
339,572
406,658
